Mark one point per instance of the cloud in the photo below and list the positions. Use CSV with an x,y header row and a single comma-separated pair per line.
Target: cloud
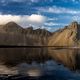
x,y
36,19
43,27
47,28
75,18
52,19
59,10
26,20
54,24
7,18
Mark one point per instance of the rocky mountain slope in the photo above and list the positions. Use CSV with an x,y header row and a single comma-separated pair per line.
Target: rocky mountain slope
x,y
68,36
13,34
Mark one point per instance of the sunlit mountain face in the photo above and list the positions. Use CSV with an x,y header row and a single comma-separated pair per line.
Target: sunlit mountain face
x,y
48,14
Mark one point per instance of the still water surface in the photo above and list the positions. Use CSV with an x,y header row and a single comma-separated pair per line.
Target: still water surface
x,y
54,64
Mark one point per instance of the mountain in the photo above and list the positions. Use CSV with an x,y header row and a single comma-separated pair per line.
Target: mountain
x,y
12,27
68,36
13,34
40,32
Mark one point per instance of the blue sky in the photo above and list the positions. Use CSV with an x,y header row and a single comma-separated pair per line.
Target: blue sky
x,y
49,14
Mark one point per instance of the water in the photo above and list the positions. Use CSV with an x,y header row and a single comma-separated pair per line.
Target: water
x,y
41,63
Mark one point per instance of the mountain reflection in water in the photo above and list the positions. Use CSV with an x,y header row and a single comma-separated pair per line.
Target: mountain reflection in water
x,y
67,57
45,63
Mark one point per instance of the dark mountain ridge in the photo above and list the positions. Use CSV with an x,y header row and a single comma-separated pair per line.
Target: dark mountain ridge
x,y
13,34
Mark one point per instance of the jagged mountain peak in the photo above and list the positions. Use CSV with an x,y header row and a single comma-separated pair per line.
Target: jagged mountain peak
x,y
43,32
74,25
11,23
30,28
12,27
15,28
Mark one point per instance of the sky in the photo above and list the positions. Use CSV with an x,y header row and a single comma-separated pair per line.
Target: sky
x,y
48,14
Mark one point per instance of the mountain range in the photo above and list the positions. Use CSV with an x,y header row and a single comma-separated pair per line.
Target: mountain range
x,y
13,34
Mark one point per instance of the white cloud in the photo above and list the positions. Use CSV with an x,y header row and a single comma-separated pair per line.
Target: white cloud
x,y
7,18
54,24
52,19
26,20
43,27
36,19
47,28
59,10
75,18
